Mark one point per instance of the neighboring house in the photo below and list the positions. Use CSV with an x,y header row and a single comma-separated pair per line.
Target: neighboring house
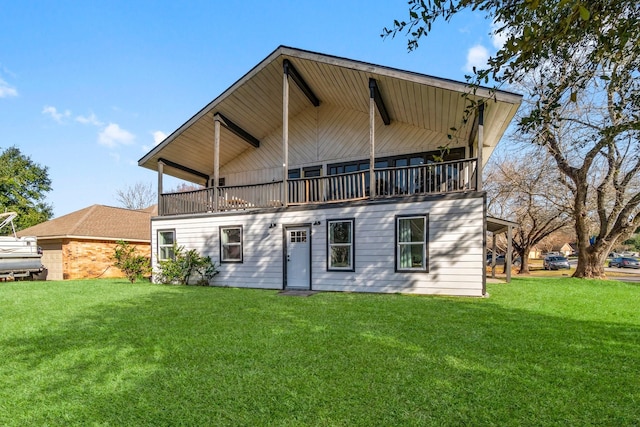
x,y
285,154
536,253
80,245
564,249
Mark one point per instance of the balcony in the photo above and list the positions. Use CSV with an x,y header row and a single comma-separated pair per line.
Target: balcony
x,y
427,179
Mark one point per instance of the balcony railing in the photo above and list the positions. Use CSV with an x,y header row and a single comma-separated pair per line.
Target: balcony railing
x,y
433,178
267,195
327,189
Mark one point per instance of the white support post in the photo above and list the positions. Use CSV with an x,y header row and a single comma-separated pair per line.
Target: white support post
x,y
480,145
493,257
507,258
285,136
160,172
216,162
372,146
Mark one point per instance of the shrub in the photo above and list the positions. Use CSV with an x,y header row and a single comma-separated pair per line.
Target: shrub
x,y
133,265
184,265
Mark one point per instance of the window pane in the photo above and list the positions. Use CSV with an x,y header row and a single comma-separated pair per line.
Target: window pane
x,y
411,256
411,230
231,235
309,173
351,168
340,256
166,253
381,164
166,237
340,232
231,252
294,173
405,256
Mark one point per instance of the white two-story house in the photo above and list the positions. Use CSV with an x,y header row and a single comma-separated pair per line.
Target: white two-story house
x,y
329,174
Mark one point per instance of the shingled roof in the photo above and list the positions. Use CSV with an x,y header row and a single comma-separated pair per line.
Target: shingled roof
x,y
97,222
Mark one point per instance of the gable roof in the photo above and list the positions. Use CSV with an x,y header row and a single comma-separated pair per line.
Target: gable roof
x,y
254,102
97,222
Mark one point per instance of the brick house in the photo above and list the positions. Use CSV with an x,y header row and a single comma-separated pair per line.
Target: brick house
x,y
79,245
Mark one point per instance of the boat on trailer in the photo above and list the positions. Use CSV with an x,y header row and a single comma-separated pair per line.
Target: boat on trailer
x,y
20,257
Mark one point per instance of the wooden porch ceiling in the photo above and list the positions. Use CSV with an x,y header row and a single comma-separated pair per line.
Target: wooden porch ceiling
x,y
254,103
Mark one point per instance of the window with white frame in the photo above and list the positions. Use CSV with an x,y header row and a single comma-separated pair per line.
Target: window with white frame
x,y
231,243
166,244
340,244
412,243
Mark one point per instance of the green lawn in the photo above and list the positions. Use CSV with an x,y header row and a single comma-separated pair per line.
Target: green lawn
x,y
105,352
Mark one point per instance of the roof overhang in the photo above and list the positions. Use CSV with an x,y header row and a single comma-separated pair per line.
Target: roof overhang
x,y
108,239
497,225
254,104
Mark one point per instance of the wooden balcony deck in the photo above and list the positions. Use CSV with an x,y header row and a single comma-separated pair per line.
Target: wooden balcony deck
x,y
433,178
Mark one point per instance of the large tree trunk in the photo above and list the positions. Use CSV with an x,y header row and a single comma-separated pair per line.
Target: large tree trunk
x,y
591,263
524,260
591,258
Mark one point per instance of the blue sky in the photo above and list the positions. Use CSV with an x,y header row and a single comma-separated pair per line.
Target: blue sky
x,y
87,88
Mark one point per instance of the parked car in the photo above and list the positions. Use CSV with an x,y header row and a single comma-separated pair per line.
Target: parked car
x,y
624,262
555,263
500,260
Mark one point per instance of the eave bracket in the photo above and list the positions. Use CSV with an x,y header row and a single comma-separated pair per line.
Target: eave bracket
x,y
377,97
237,130
190,171
291,71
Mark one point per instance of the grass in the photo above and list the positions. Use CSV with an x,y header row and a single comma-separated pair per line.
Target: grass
x,y
104,352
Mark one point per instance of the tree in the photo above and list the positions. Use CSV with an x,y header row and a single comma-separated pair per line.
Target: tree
x,y
584,54
529,193
136,196
23,186
186,187
133,265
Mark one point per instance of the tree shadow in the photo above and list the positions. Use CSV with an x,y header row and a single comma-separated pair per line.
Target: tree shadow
x,y
214,356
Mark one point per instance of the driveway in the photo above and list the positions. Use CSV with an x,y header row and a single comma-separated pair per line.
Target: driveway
x,y
623,274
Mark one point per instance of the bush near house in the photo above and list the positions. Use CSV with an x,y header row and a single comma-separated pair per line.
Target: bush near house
x,y
133,265
181,268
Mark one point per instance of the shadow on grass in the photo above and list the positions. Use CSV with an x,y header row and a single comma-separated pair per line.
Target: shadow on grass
x,y
206,356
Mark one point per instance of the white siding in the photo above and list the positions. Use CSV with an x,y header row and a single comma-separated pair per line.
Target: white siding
x,y
456,232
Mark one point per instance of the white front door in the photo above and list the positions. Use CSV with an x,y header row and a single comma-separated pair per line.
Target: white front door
x,y
298,258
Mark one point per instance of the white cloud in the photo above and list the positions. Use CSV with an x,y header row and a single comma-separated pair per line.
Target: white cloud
x,y
6,90
498,39
55,115
158,137
89,120
113,135
477,57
